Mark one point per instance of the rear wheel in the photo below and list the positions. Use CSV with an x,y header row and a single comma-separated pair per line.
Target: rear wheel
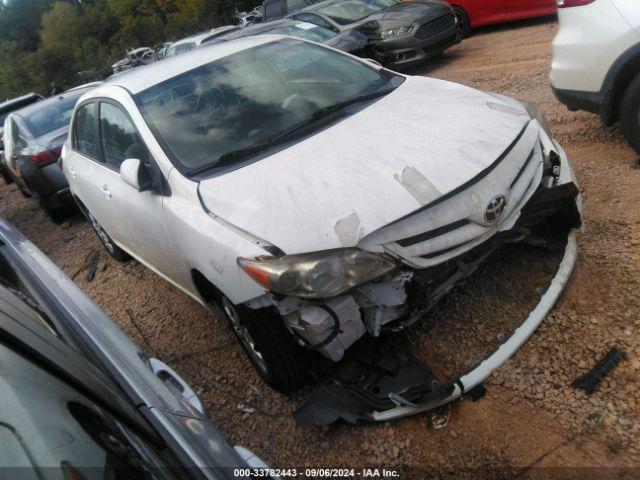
x,y
23,190
56,215
279,361
463,21
115,251
630,114
5,175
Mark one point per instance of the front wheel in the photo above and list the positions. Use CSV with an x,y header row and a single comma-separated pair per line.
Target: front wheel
x,y
630,114
463,22
115,251
279,361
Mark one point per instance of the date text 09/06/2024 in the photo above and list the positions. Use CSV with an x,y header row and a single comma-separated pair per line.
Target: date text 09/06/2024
x,y
316,473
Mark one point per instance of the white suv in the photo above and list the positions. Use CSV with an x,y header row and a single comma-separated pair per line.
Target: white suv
x,y
596,61
310,196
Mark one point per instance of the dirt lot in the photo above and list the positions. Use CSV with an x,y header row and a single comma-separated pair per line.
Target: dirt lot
x,y
531,423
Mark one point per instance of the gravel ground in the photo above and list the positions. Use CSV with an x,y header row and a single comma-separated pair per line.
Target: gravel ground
x,y
531,423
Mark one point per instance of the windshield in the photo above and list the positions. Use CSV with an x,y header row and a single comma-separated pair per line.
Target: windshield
x,y
350,11
248,98
53,116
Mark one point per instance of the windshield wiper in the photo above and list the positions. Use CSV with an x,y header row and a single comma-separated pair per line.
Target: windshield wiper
x,y
231,157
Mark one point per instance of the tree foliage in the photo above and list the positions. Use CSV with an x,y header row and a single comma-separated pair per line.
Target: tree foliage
x,y
68,42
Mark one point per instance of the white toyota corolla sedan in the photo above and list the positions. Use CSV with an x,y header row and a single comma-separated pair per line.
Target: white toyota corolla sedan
x,y
314,197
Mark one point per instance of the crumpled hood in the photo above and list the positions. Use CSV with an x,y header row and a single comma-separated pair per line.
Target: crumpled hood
x,y
337,186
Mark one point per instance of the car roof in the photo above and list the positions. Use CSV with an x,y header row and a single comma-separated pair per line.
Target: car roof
x,y
6,105
47,102
146,76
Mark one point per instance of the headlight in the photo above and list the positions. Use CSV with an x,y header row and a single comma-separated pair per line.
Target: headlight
x,y
534,112
396,32
316,275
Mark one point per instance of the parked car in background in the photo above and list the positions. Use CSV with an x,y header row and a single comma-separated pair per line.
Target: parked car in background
x,y
390,189
596,61
189,43
6,108
246,19
34,136
78,399
477,13
401,33
134,58
161,50
352,41
275,9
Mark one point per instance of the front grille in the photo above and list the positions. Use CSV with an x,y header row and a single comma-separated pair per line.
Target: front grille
x,y
438,47
436,27
516,173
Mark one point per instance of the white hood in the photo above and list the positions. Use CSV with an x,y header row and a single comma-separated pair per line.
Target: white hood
x,y
405,150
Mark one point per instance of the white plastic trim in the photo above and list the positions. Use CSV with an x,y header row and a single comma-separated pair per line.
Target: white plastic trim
x,y
507,349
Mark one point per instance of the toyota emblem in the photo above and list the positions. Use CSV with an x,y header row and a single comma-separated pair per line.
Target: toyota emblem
x,y
495,208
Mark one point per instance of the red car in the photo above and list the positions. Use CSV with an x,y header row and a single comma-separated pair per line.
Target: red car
x,y
475,13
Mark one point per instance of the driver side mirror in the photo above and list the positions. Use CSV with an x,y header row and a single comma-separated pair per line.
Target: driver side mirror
x,y
135,174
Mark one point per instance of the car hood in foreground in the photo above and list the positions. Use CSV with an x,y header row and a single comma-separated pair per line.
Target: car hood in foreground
x,y
405,150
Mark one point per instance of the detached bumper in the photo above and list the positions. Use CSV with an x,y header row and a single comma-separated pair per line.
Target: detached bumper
x,y
475,377
379,384
410,386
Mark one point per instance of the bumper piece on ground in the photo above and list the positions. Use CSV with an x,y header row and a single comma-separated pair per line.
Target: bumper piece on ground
x,y
381,382
590,380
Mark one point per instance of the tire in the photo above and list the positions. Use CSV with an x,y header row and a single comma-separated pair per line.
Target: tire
x,y
5,175
278,359
630,114
112,249
56,215
464,22
25,193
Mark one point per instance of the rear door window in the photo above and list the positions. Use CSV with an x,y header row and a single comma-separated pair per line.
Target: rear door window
x,y
119,137
84,131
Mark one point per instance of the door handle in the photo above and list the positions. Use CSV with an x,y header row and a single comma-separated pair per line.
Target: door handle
x,y
72,172
175,381
105,190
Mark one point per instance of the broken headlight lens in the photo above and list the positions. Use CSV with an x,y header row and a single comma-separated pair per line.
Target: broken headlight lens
x,y
396,32
535,113
316,275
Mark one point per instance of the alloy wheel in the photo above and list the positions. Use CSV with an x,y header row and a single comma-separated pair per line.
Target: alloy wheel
x,y
104,237
245,336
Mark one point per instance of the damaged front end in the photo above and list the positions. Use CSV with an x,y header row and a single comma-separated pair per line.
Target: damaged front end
x,y
532,197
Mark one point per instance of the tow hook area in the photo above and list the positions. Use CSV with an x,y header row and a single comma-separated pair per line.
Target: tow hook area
x,y
375,375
